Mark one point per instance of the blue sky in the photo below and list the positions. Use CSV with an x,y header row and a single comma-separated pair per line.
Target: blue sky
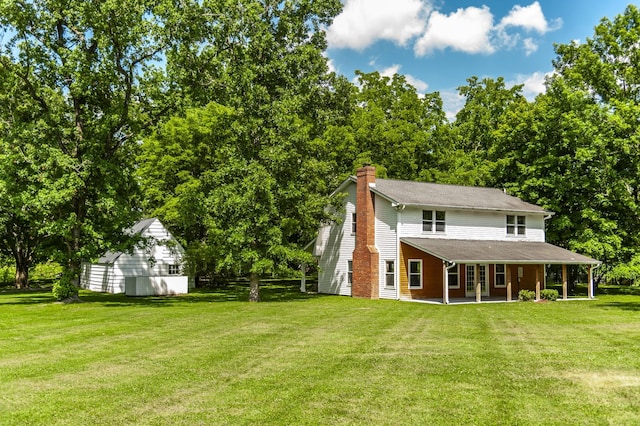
x,y
438,44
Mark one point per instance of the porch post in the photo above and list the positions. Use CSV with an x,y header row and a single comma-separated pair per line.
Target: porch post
x,y
445,280
537,282
509,296
590,281
564,282
478,288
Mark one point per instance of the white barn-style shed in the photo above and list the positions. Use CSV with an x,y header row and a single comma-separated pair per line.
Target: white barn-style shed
x,y
153,268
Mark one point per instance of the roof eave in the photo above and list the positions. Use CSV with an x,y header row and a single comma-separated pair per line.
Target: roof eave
x,y
525,262
343,185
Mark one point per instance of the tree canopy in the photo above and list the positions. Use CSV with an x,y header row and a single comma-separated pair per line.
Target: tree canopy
x,y
261,92
575,149
222,118
87,70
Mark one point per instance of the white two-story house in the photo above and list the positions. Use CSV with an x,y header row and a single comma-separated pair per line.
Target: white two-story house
x,y
414,240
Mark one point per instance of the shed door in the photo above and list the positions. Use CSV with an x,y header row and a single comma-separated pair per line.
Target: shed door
x,y
130,286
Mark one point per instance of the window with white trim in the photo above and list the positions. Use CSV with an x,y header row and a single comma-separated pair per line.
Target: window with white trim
x,y
516,225
174,269
349,272
389,273
415,273
500,275
454,277
353,223
433,221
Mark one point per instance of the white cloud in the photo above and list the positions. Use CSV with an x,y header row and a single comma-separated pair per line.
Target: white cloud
x,y
533,84
332,66
452,102
420,86
363,22
466,30
530,18
390,71
471,30
530,46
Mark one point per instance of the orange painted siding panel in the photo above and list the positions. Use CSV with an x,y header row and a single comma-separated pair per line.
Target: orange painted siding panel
x,y
432,279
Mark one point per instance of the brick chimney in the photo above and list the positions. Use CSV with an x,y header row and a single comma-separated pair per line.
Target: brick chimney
x,y
366,258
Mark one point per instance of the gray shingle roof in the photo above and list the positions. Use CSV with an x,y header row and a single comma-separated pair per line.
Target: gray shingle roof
x,y
453,196
138,228
482,251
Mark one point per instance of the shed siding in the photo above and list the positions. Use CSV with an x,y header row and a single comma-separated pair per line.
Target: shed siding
x,y
472,225
157,285
337,247
386,222
97,277
152,261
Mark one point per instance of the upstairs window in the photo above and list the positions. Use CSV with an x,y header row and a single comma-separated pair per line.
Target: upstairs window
x,y
174,269
516,225
433,220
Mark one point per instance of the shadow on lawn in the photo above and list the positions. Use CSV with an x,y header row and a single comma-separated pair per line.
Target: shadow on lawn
x,y
625,306
270,291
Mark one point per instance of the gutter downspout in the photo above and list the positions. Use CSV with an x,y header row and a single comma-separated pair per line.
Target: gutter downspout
x,y
446,282
399,208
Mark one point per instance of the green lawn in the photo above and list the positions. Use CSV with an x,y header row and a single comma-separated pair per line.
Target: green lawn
x,y
208,358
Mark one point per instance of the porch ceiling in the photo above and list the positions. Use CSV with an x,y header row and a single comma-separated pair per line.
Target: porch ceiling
x,y
480,251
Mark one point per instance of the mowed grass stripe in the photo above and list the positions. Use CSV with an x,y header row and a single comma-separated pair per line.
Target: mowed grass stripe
x,y
208,358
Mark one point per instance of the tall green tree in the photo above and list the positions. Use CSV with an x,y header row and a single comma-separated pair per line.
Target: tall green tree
x,y
89,70
555,152
391,126
575,150
486,102
261,64
31,177
607,69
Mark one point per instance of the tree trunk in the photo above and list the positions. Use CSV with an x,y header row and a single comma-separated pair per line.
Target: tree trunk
x,y
22,259
254,288
22,272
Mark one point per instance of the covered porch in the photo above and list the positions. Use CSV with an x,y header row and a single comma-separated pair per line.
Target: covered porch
x,y
490,299
463,271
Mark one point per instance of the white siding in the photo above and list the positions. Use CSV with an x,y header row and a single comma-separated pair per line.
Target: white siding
x,y
472,225
385,243
96,277
156,286
150,261
335,247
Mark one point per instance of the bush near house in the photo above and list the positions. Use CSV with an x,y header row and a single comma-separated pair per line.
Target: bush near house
x,y
549,294
526,295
